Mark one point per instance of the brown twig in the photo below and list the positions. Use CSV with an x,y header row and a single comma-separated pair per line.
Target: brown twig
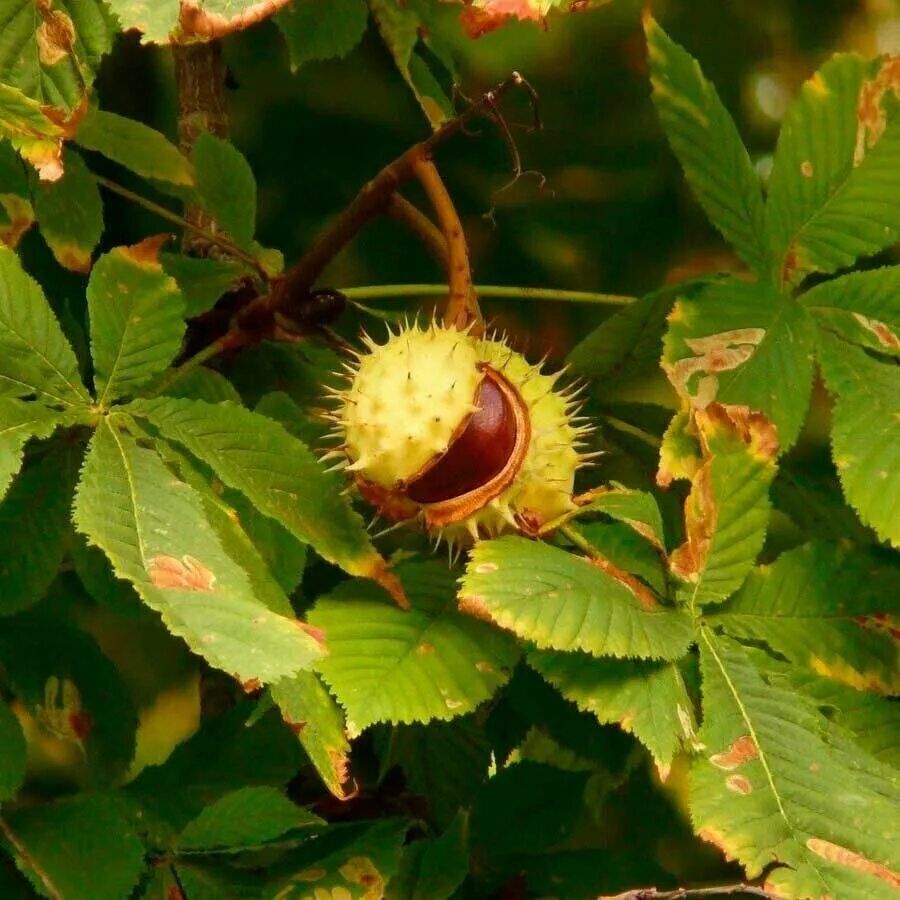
x,y
371,201
462,309
680,893
24,854
200,76
409,215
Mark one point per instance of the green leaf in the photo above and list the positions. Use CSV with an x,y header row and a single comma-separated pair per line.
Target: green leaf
x,y
352,862
154,531
34,518
647,699
443,762
865,432
832,193
743,344
628,551
512,813
819,605
226,186
863,307
313,715
134,145
704,138
52,54
35,357
136,317
227,754
156,21
249,817
774,784
16,212
560,600
388,665
313,33
434,869
402,27
66,840
637,509
72,689
12,753
70,214
626,344
202,281
203,384
276,472
230,526
727,512
19,422
32,132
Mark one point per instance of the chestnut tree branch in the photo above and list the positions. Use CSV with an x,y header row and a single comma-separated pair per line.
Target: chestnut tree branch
x,y
200,76
727,890
410,216
462,309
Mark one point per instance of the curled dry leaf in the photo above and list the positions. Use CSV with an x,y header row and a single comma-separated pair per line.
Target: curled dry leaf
x,y
195,21
871,119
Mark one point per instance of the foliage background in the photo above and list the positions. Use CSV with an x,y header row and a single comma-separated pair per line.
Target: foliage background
x,y
616,216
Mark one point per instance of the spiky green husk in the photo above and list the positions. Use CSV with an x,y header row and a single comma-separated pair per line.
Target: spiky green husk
x,y
408,397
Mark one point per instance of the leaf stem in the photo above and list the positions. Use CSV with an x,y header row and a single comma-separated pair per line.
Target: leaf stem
x,y
553,295
193,362
462,309
409,215
578,539
24,854
181,222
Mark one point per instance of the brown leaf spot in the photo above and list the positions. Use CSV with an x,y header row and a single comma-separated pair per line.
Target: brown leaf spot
x,y
791,262
55,36
174,893
21,217
882,332
81,722
712,354
340,765
475,606
871,119
317,634
738,784
46,157
146,252
700,515
296,727
251,685
484,667
362,871
73,258
806,169
717,839
741,751
198,22
751,426
483,16
186,574
378,571
642,593
486,568
852,860
425,648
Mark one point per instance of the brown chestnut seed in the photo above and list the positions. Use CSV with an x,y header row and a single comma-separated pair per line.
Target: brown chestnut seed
x,y
476,456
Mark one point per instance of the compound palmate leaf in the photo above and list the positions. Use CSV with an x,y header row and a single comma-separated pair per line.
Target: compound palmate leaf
x,y
152,528
865,435
833,194
135,311
276,472
565,602
819,606
648,699
705,140
771,788
35,357
387,665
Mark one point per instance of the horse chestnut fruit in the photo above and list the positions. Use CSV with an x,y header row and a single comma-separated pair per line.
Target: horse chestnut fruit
x,y
459,432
